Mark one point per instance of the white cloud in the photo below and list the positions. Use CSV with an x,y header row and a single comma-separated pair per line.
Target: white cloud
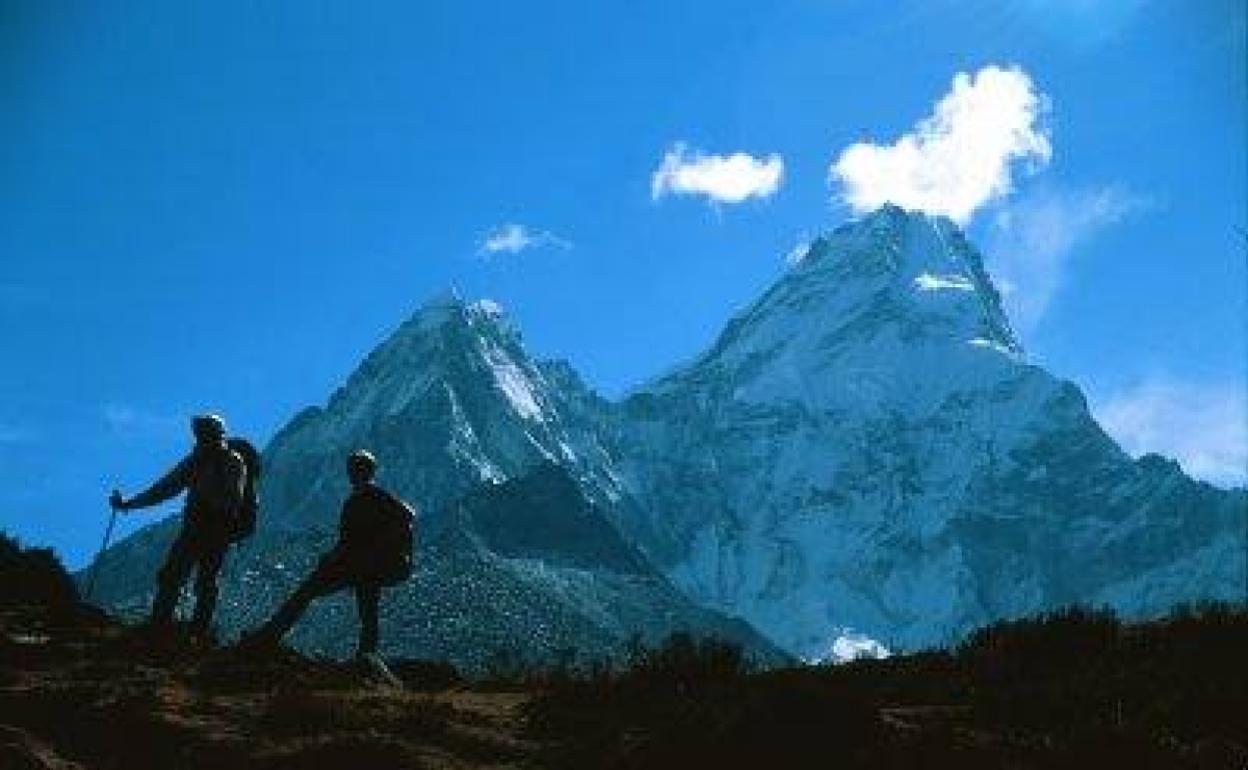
x,y
959,158
1203,426
130,421
1029,242
721,178
514,238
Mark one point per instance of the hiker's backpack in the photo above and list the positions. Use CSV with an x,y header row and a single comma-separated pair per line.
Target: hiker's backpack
x,y
245,524
399,539
212,476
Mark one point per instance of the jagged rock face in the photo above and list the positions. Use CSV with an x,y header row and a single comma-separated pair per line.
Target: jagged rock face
x,y
450,401
511,570
525,571
544,517
453,406
865,447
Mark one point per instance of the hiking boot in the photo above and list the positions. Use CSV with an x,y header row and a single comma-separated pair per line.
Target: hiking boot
x,y
163,634
205,639
376,672
258,642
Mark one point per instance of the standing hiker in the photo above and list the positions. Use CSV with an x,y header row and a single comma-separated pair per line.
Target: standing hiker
x,y
374,550
215,480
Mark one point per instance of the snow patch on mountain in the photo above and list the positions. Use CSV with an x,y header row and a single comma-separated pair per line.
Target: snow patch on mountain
x,y
511,380
864,447
488,307
851,452
993,345
929,282
850,646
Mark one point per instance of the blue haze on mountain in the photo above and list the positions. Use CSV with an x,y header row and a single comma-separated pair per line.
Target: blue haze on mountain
x,y
865,450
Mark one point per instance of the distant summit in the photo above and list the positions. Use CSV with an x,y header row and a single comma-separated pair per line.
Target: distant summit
x,y
451,400
864,446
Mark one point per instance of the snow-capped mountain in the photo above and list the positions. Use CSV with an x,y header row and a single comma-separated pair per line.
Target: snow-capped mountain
x,y
450,401
527,570
519,558
864,447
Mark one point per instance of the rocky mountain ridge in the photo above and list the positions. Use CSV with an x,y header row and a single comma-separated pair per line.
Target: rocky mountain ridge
x,y
864,450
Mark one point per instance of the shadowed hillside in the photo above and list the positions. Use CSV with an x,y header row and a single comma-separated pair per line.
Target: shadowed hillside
x,y
33,576
865,446
85,692
1076,688
528,570
1072,689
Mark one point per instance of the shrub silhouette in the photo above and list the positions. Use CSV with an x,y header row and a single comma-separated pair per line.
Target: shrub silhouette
x,y
697,703
33,576
1041,671
683,663
1072,688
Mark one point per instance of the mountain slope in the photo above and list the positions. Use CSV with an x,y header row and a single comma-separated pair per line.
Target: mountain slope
x,y
450,401
526,571
77,690
865,446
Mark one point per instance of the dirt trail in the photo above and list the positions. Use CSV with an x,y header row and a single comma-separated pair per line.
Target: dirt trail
x,y
82,692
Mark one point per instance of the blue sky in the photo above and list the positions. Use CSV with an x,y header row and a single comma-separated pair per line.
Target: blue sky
x,y
227,205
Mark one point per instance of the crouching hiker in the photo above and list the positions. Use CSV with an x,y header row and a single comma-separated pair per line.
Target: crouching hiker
x,y
214,478
374,550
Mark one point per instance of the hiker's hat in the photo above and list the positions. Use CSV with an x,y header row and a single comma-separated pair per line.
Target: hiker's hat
x,y
208,426
362,458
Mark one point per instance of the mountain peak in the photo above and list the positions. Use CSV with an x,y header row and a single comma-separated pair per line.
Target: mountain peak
x,y
876,294
918,261
906,240
860,448
449,316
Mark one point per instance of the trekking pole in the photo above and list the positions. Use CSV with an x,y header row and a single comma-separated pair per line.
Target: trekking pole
x,y
95,568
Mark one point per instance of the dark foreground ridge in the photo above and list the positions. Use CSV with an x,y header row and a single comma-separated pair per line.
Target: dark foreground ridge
x,y
1072,689
78,690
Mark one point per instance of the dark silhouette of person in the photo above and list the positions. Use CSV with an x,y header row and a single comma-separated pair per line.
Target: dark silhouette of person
x,y
372,551
214,479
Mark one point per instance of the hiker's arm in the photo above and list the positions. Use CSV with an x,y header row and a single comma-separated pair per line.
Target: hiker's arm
x,y
173,484
238,482
348,524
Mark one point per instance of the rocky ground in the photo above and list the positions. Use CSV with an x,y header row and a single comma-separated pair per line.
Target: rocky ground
x,y
79,690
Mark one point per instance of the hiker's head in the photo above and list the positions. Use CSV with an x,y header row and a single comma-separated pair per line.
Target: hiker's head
x,y
208,428
361,465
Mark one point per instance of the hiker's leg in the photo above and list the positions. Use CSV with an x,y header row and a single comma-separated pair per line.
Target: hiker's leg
x,y
294,606
169,580
325,579
206,588
367,597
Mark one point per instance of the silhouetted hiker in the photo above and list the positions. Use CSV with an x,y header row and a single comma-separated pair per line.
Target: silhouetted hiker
x,y
215,480
374,550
